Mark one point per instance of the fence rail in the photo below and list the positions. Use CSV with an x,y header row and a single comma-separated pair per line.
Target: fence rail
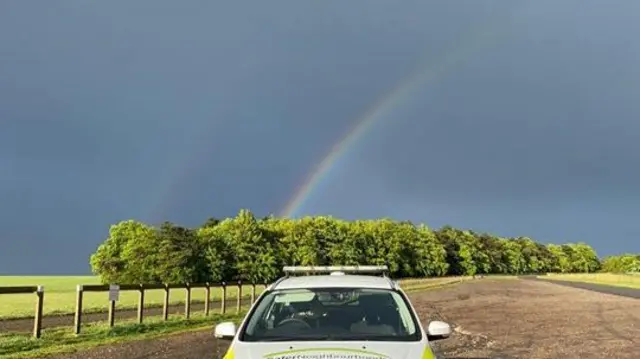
x,y
39,292
141,289
19,290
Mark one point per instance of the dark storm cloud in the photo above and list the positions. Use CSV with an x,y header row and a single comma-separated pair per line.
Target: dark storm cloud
x,y
164,110
549,113
535,132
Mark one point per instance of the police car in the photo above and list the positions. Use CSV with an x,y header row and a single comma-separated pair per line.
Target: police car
x,y
342,313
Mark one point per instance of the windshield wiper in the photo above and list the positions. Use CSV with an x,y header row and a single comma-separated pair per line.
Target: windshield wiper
x,y
295,338
367,336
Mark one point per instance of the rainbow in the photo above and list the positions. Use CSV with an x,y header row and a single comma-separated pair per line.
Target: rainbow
x,y
402,90
167,187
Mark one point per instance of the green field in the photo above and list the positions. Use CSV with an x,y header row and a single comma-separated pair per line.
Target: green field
x,y
618,280
60,296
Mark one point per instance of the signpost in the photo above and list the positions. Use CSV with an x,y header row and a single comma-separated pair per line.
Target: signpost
x,y
114,292
114,295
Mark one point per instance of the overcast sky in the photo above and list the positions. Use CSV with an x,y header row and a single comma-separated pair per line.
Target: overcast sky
x,y
527,123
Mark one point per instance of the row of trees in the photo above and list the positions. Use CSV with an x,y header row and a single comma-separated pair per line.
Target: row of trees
x,y
251,249
625,263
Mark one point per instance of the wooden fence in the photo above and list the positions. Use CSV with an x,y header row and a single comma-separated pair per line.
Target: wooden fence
x,y
140,288
39,291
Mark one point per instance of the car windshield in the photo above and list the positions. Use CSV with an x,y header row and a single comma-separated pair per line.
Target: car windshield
x,y
332,314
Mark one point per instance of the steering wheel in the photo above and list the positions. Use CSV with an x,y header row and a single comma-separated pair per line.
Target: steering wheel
x,y
294,320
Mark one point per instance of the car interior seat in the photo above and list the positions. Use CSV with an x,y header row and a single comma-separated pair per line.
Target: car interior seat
x,y
378,316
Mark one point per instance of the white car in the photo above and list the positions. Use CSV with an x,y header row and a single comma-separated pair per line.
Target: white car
x,y
332,316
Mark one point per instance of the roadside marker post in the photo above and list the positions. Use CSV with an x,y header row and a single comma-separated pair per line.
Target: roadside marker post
x,y
114,295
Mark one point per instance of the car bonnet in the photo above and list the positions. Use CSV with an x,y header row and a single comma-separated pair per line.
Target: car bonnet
x,y
330,350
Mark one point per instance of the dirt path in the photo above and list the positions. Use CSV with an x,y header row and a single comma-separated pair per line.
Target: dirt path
x,y
503,319
196,345
26,325
536,320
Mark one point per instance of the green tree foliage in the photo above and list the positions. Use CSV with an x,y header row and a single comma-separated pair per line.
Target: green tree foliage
x,y
137,253
211,222
254,256
625,263
118,257
254,250
217,254
178,255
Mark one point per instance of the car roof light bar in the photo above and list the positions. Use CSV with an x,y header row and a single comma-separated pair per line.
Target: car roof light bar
x,y
383,269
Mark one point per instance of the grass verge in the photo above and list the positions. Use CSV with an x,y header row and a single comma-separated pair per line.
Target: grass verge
x,y
617,280
419,285
62,340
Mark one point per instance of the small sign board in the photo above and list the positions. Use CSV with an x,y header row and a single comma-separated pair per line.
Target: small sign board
x,y
114,292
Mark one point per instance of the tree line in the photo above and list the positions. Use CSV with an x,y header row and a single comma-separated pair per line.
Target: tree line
x,y
255,250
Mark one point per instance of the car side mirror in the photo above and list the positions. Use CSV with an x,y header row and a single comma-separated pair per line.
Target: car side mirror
x,y
438,330
226,330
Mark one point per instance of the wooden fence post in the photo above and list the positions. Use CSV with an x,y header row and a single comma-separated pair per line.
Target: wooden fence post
x,y
239,299
141,304
77,322
207,298
187,301
112,313
223,302
253,293
37,323
165,305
